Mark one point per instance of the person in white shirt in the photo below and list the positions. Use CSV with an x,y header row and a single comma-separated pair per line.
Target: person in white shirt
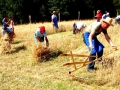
x,y
78,27
117,19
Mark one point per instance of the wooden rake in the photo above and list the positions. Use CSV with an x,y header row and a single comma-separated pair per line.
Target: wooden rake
x,y
84,63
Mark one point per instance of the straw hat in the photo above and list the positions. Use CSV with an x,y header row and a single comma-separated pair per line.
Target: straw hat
x,y
108,20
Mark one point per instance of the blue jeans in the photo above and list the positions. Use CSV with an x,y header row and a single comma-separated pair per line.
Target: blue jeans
x,y
98,48
8,29
91,65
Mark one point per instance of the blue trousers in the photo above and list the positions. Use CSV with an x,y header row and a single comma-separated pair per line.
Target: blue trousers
x,y
8,29
98,48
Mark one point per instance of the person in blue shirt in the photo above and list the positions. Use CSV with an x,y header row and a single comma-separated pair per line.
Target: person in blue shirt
x,y
6,29
54,21
41,36
5,25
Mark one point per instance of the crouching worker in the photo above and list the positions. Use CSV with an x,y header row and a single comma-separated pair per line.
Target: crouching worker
x,y
6,29
78,27
91,41
41,36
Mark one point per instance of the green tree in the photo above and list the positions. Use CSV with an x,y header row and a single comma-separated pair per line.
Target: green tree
x,y
41,10
11,8
117,6
60,6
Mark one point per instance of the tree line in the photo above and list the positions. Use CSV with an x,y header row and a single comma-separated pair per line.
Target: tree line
x,y
41,10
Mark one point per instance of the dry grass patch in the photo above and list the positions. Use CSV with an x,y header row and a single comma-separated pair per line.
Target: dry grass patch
x,y
40,52
17,70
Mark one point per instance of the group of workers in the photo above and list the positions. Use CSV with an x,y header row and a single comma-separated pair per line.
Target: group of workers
x,y
99,16
91,32
89,35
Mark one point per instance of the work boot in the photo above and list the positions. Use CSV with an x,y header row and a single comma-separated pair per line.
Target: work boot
x,y
100,59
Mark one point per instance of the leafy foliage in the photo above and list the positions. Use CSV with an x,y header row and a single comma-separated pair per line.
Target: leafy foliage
x,y
41,10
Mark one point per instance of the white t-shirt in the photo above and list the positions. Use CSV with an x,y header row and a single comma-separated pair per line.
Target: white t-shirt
x,y
118,17
11,24
79,25
96,28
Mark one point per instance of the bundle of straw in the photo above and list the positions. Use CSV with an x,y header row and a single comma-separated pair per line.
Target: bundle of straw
x,y
5,44
40,52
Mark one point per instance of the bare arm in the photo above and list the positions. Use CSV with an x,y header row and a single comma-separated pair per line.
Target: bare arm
x,y
52,22
52,19
110,41
47,42
90,40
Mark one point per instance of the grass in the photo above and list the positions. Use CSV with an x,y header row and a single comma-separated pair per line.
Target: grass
x,y
19,71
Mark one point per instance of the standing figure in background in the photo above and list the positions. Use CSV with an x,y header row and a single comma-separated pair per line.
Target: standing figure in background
x,y
104,16
54,21
98,15
78,27
41,36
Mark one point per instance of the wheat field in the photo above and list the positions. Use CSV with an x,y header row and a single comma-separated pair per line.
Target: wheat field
x,y
20,71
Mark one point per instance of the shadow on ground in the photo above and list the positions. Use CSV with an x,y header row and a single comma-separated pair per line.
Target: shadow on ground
x,y
53,54
49,56
17,49
17,42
